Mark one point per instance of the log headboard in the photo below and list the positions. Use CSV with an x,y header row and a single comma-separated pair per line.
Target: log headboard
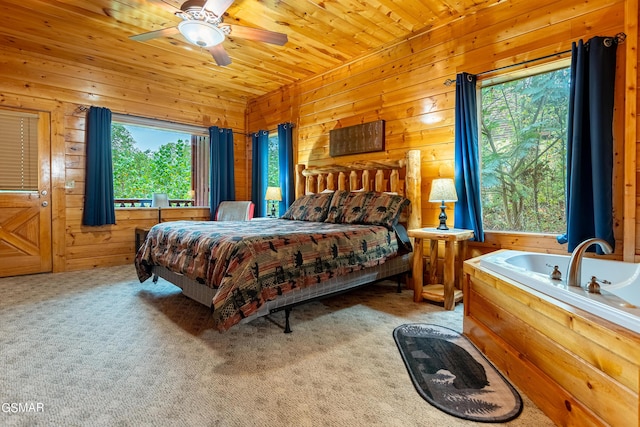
x,y
402,176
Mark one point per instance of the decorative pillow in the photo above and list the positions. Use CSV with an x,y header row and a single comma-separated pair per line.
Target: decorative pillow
x,y
366,208
383,209
404,243
336,208
311,207
326,190
354,206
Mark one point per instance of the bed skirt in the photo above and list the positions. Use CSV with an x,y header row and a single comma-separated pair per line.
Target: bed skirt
x,y
204,294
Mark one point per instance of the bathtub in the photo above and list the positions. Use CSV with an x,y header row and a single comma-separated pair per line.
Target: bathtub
x,y
574,354
619,301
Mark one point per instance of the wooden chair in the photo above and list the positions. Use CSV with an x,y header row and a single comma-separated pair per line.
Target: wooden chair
x,y
160,200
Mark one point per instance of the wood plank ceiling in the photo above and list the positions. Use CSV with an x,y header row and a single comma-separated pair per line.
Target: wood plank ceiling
x,y
321,35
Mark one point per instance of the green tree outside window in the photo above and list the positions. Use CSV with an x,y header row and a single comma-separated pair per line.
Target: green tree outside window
x,y
138,174
523,133
273,171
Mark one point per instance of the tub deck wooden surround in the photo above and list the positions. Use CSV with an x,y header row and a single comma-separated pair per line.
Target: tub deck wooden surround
x,y
580,369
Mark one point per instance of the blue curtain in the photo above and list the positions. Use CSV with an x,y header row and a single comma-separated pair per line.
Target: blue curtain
x,y
260,146
99,208
222,186
285,164
589,196
468,209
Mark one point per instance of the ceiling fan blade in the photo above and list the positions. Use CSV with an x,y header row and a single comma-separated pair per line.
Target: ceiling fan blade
x,y
218,7
258,35
165,32
220,55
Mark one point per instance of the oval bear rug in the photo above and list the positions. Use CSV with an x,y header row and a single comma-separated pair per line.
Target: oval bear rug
x,y
450,373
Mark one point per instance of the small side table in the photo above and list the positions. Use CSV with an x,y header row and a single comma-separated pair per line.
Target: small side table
x,y
141,235
445,293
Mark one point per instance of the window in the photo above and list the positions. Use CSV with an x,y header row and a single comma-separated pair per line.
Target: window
x,y
149,159
19,147
273,165
523,134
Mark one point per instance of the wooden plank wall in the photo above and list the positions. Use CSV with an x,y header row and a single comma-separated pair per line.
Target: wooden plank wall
x,y
42,83
632,135
403,84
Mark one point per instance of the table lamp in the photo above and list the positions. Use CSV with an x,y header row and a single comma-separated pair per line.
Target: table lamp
x,y
273,195
443,190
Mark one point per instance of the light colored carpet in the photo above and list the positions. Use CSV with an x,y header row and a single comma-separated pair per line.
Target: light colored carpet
x,y
97,348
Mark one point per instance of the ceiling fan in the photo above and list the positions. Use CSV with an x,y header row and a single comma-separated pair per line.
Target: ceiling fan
x,y
202,26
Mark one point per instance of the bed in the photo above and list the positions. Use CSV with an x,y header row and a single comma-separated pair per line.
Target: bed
x,y
345,229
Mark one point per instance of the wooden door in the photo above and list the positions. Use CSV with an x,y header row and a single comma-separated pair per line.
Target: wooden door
x,y
25,215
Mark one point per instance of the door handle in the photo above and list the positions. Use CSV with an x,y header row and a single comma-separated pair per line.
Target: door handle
x,y
44,192
45,204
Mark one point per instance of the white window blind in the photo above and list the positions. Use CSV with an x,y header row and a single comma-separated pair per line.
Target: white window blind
x,y
18,151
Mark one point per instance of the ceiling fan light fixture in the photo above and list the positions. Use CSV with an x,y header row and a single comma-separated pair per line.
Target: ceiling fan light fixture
x,y
201,33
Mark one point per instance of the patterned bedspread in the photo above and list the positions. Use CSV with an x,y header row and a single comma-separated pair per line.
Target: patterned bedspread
x,y
250,262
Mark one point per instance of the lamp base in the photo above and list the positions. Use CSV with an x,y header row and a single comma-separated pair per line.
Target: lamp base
x,y
273,209
443,218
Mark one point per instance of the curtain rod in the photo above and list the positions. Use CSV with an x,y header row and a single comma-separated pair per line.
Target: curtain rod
x,y
620,38
269,130
163,124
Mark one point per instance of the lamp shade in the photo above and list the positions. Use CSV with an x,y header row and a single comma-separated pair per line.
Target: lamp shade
x,y
443,190
273,193
201,33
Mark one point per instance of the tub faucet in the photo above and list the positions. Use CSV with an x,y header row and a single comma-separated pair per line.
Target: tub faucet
x,y
575,263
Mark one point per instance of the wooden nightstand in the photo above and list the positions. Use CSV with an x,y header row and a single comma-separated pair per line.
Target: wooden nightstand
x,y
445,292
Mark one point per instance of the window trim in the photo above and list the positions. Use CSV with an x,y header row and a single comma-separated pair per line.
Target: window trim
x,y
193,130
159,124
507,76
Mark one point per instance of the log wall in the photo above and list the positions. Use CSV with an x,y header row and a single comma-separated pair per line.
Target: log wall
x,y
403,84
61,87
